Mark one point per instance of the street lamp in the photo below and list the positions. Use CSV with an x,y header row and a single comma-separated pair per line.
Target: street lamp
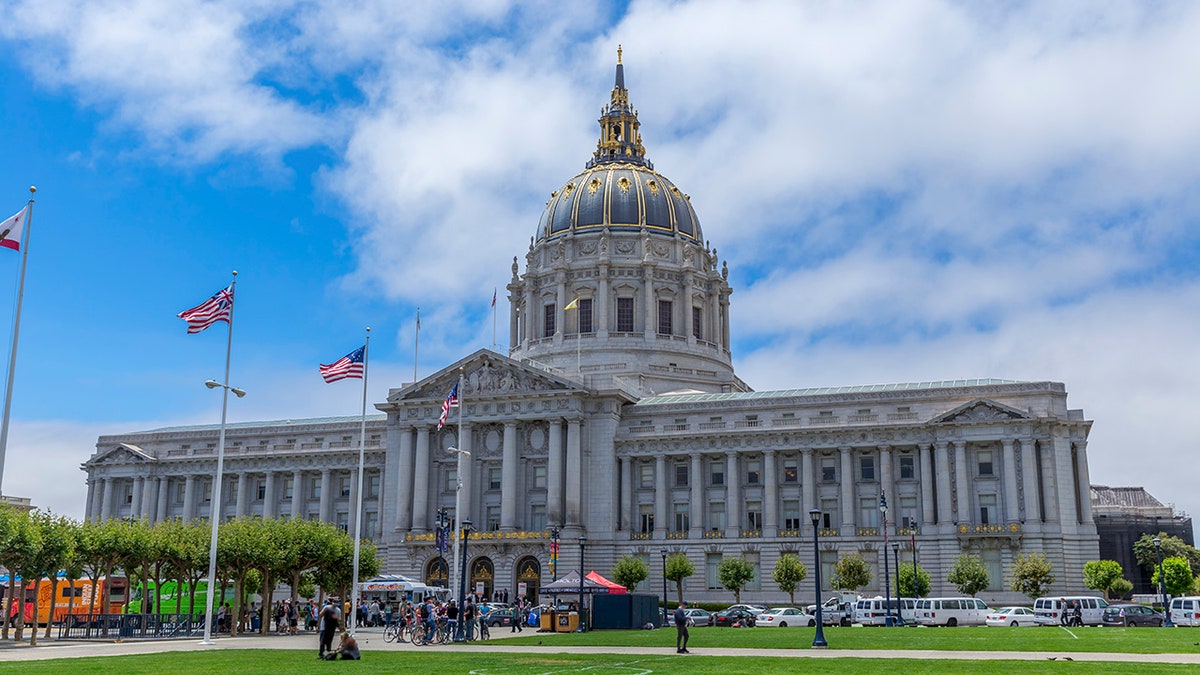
x,y
819,639
554,562
458,511
1162,584
462,582
912,533
896,560
663,551
887,589
582,624
215,514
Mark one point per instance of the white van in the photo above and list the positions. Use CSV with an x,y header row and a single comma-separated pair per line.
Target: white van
x,y
874,611
951,612
1048,611
1185,611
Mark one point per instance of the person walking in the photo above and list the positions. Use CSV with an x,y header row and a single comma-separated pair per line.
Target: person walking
x,y
330,618
518,616
681,631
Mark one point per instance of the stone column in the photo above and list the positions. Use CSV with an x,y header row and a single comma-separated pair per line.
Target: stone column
x,y
661,513
239,509
1064,477
627,500
847,477
696,492
326,513
163,496
105,509
1084,482
1051,483
420,499
404,480
560,315
1012,508
135,508
532,316
508,479
269,497
149,492
651,327
733,492
469,491
888,483
770,495
189,498
725,323
601,306
514,337
962,484
574,474
713,320
928,514
297,493
943,482
1029,479
554,473
92,507
809,473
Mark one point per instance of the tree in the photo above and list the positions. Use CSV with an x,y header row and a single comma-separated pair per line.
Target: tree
x,y
1179,576
630,571
851,573
1032,575
58,537
678,569
1120,588
20,542
734,574
968,574
1172,547
1100,575
905,582
788,574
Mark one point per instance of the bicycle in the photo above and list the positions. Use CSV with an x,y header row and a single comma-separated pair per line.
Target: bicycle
x,y
393,631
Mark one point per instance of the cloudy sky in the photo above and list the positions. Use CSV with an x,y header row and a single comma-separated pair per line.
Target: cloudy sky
x,y
904,191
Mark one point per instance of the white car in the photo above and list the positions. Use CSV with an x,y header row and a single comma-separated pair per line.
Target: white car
x,y
1011,616
784,617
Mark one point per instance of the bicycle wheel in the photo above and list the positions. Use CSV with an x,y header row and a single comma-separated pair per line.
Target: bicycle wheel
x,y
484,632
390,632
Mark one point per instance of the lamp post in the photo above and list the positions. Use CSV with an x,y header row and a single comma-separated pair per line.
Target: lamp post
x,y
896,560
582,624
1162,585
462,582
912,534
458,510
663,551
554,531
887,589
818,639
215,516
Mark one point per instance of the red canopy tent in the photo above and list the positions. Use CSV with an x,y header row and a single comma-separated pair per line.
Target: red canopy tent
x,y
613,587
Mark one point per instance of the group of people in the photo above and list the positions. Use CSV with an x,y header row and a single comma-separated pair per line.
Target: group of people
x,y
1072,613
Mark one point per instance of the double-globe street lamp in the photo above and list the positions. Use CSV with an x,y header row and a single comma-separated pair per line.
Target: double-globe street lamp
x,y
215,517
582,623
887,590
818,639
899,603
663,551
462,582
1162,585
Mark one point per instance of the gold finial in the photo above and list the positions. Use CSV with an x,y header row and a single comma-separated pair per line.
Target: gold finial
x,y
618,55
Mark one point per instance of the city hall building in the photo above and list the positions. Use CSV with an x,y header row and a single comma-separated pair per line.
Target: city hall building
x,y
616,416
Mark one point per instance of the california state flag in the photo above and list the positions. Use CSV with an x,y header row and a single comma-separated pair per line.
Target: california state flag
x,y
10,231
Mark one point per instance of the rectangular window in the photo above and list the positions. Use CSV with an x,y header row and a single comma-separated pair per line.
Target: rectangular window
x,y
344,481
493,518
754,471
585,315
908,511
314,491
716,516
828,561
494,478
681,517
828,470
718,473
991,563
712,570
206,490
985,463
868,512
791,471
537,517
867,468
624,315
646,471
754,516
371,525
260,489
987,509
906,467
548,314
697,323
539,476
373,485
791,515
829,514
343,521
664,317
681,475
451,483
646,518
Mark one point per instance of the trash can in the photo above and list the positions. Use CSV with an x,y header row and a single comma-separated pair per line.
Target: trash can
x,y
568,622
546,621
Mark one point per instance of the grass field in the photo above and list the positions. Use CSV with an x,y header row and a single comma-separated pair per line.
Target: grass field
x,y
963,638
481,662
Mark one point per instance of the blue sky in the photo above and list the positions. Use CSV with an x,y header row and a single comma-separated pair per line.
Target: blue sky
x,y
903,192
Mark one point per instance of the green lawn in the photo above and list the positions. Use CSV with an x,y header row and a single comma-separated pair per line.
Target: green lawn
x,y
963,638
481,662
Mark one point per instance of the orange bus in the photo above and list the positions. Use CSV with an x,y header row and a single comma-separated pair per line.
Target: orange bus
x,y
85,598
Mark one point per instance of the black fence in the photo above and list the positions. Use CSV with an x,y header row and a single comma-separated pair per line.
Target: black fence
x,y
130,626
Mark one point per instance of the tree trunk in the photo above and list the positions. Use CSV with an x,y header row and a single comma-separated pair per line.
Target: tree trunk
x,y
71,603
37,582
53,605
268,598
679,590
104,605
235,616
12,597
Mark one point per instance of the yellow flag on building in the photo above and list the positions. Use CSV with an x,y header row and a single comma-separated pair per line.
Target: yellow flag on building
x,y
574,305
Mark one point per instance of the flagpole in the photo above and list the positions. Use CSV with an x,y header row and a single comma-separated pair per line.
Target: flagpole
x,y
215,514
416,345
458,519
12,355
495,345
358,513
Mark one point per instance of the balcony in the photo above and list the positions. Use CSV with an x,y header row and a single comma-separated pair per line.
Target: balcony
x,y
989,529
677,535
714,534
830,532
750,534
867,532
639,536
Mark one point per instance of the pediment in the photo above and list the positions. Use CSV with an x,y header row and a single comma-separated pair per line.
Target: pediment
x,y
982,410
486,375
121,453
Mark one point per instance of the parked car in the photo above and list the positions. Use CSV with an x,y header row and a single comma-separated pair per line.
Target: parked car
x,y
698,616
734,617
951,612
837,610
1128,614
875,611
1185,611
1049,610
784,617
754,609
499,617
1011,616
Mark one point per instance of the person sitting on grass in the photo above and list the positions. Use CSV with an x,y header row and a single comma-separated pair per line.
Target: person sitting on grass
x,y
347,649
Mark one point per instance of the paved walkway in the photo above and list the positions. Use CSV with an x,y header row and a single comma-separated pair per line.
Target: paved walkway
x,y
372,639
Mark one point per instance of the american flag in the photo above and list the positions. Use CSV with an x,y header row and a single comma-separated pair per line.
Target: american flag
x,y
350,365
451,400
217,308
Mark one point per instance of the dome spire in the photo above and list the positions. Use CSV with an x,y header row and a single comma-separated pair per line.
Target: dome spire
x,y
620,135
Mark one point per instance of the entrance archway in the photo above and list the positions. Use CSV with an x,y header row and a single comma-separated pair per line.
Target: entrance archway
x,y
483,578
437,572
529,573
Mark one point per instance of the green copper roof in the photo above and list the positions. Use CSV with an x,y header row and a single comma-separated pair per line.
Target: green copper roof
x,y
820,391
268,423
